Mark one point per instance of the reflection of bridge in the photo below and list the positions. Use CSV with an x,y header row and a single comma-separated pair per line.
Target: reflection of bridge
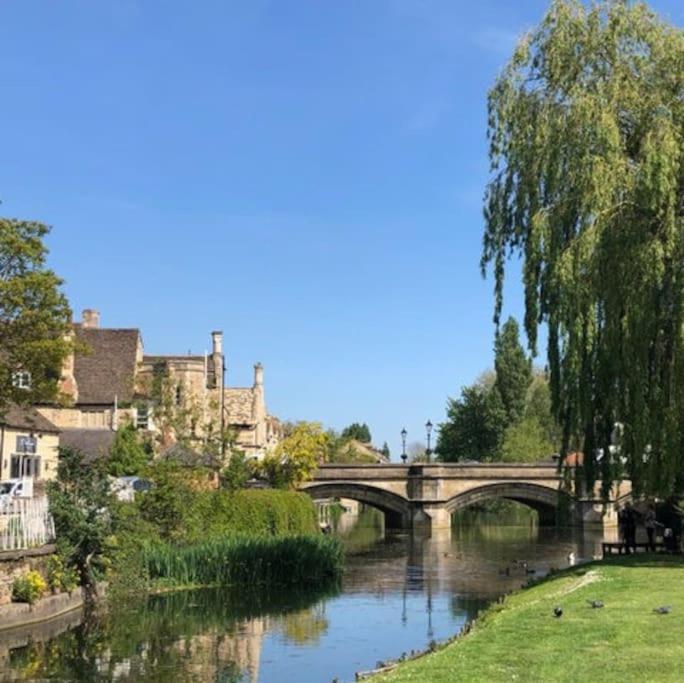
x,y
415,496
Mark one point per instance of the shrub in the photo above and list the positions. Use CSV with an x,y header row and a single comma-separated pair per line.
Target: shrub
x,y
28,588
59,576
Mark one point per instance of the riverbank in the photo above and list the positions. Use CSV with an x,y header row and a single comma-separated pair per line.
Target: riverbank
x,y
521,639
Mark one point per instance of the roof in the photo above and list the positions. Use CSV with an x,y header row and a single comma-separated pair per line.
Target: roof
x,y
108,370
93,443
186,456
239,405
27,418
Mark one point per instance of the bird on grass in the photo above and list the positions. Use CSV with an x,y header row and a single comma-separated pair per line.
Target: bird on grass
x,y
596,604
558,612
665,609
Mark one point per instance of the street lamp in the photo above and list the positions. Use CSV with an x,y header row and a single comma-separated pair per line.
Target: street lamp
x,y
428,429
403,444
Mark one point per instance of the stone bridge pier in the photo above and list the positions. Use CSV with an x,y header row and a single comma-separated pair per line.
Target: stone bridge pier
x,y
423,497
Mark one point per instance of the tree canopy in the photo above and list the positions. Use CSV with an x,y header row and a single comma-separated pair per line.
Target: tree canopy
x,y
357,431
513,370
586,130
35,319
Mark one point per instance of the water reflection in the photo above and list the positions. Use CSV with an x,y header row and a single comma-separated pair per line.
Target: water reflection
x,y
399,592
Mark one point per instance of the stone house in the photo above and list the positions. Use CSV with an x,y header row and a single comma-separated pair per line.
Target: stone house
x,y
28,445
110,381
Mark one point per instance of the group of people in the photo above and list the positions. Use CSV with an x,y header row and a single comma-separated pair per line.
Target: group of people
x,y
629,518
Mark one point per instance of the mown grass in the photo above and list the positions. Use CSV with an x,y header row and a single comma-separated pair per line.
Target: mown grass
x,y
521,640
292,560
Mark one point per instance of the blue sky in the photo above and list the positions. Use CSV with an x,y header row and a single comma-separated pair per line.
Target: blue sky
x,y
305,175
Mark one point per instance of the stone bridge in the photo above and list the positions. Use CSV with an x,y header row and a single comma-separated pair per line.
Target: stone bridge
x,y
424,496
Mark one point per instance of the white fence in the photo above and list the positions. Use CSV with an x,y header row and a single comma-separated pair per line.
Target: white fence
x,y
26,523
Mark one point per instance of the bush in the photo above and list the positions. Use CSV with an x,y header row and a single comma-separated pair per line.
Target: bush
x,y
60,577
28,588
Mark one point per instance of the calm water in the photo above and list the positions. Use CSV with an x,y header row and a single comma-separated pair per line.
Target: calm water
x,y
398,594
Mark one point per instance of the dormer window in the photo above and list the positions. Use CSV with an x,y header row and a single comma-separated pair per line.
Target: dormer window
x,y
21,380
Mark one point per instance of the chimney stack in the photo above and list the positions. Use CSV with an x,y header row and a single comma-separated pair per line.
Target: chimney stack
x,y
258,375
217,356
91,318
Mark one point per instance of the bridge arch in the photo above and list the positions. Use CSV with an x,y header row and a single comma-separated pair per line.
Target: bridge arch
x,y
545,500
395,508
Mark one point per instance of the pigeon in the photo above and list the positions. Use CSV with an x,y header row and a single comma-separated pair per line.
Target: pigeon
x,y
557,612
665,609
596,604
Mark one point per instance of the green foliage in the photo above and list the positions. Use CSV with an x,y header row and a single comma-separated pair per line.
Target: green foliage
x,y
513,371
585,127
296,456
386,450
475,426
79,501
525,441
128,455
239,471
166,504
35,315
59,576
342,449
28,588
292,561
359,432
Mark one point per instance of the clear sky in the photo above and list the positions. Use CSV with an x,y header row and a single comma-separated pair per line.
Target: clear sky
x,y
305,175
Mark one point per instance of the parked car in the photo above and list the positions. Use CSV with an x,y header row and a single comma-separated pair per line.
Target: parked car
x,y
11,489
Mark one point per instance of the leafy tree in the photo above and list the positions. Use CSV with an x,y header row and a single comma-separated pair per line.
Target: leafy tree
x,y
238,472
35,319
296,457
538,408
474,427
386,450
357,431
416,452
526,441
79,502
586,125
128,456
164,504
513,371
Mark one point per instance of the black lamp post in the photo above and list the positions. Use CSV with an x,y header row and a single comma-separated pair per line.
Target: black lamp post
x,y
403,445
428,429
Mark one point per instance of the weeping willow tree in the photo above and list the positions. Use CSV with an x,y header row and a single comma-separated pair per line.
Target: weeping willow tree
x,y
586,132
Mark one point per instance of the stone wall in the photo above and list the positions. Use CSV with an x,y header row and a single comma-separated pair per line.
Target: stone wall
x,y
15,563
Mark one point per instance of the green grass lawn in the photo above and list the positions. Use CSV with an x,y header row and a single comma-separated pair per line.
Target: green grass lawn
x,y
521,640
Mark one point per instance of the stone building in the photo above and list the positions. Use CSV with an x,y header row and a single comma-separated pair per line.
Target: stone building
x,y
110,381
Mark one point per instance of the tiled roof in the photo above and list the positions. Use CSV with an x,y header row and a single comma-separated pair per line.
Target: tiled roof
x,y
239,406
27,418
93,443
108,370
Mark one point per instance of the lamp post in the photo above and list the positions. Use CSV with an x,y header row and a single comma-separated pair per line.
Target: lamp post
x,y
403,444
428,429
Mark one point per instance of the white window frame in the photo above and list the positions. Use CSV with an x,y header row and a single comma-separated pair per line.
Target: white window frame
x,y
21,380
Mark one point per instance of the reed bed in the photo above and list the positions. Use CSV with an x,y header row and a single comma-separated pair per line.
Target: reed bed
x,y
226,561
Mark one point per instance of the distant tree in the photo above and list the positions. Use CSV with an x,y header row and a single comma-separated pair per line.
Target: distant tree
x,y
35,319
297,456
538,407
238,472
79,501
513,371
474,427
386,451
416,452
357,431
128,455
526,441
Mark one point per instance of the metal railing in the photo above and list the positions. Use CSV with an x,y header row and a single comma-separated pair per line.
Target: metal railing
x,y
25,523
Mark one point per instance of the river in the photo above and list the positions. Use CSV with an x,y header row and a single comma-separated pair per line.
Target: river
x,y
398,594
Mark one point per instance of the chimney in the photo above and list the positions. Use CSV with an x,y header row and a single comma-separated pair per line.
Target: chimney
x,y
91,318
217,356
258,375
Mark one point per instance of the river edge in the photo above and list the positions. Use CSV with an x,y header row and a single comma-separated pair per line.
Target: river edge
x,y
449,660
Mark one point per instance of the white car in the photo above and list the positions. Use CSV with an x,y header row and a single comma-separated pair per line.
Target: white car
x,y
11,489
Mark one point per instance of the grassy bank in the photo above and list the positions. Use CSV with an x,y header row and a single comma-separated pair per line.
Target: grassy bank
x,y
521,640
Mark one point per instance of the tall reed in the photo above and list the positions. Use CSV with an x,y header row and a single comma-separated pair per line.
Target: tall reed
x,y
292,560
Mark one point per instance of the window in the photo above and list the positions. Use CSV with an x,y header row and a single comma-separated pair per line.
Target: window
x,y
142,417
22,380
27,444
25,466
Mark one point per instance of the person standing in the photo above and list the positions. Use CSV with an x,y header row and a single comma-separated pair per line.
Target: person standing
x,y
630,528
650,524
